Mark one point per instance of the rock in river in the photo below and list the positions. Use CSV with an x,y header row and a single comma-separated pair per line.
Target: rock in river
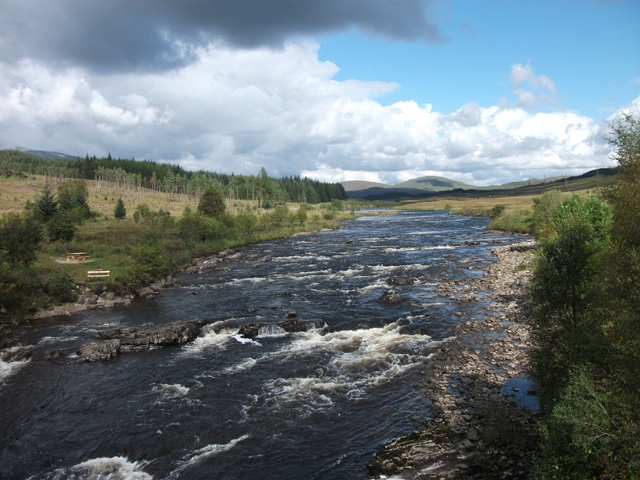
x,y
391,297
136,339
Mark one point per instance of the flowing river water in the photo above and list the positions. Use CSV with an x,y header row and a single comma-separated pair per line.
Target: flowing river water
x,y
314,404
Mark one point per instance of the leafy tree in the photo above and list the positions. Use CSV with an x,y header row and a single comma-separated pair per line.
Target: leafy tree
x,y
352,205
247,222
279,215
120,211
544,207
564,277
211,203
61,227
301,215
19,238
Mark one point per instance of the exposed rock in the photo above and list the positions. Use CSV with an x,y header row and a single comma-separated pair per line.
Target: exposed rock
x,y
292,325
400,281
291,315
250,330
391,297
93,352
466,380
135,339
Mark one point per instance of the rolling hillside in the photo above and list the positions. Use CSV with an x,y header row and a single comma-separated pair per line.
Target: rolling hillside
x,y
439,186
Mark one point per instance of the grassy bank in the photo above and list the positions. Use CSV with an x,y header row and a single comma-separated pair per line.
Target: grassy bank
x,y
509,213
159,235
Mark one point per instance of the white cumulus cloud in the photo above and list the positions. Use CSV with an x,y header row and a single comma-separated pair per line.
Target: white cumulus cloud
x,y
237,110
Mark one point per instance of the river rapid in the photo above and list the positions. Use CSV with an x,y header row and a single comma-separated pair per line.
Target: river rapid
x,y
314,404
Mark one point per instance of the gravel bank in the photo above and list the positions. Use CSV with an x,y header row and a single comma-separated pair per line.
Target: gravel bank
x,y
484,405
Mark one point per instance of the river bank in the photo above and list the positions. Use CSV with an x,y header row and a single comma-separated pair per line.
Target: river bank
x,y
484,405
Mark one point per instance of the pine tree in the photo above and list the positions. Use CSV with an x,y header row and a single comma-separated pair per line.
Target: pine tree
x,y
120,212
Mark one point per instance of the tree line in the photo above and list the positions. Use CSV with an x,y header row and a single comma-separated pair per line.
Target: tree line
x,y
134,175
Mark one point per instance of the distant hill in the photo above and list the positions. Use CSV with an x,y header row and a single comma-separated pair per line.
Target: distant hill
x,y
354,185
43,153
439,186
432,184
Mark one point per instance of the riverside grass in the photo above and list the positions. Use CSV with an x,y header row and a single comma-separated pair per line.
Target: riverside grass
x,y
137,253
508,212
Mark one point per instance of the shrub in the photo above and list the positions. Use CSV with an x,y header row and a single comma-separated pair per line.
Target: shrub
x,y
60,285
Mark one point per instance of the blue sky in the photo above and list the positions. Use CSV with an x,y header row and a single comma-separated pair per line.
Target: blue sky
x,y
485,92
589,49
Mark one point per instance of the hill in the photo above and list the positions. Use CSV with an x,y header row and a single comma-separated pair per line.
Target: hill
x,y
42,153
432,184
426,187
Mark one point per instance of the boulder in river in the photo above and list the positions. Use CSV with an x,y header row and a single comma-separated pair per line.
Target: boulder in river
x,y
400,281
291,325
135,339
391,297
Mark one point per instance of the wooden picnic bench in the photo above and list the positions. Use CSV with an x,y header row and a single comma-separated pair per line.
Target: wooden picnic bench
x,y
77,257
98,274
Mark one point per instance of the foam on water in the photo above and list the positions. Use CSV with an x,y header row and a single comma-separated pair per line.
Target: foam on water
x,y
211,339
114,468
10,367
171,391
201,455
355,360
50,340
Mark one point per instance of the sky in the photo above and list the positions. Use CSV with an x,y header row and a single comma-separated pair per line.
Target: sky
x,y
481,91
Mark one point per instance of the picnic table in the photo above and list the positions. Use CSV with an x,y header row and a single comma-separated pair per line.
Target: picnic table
x,y
77,257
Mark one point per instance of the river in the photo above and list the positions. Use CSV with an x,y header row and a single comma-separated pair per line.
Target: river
x,y
315,404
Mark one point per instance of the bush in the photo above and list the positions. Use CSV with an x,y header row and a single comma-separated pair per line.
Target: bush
x,y
60,285
544,207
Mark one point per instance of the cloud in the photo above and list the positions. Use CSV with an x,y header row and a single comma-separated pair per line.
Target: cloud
x,y
147,35
237,110
532,90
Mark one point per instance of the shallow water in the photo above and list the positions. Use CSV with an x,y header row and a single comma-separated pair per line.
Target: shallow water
x,y
315,404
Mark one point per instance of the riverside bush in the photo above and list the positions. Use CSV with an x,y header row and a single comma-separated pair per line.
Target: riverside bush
x,y
586,323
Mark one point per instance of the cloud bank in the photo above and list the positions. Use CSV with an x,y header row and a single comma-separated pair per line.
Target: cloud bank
x,y
222,86
141,35
237,110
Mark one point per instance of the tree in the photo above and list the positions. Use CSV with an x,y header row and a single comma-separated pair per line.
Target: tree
x,y
565,274
46,205
61,227
19,238
211,203
119,212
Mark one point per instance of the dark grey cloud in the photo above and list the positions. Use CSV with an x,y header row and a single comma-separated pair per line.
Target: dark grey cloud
x,y
160,34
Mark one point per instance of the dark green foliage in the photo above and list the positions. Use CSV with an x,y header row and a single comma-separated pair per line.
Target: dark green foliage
x,y
61,227
586,296
46,205
60,285
19,238
279,215
193,227
211,203
247,222
301,215
496,211
119,211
